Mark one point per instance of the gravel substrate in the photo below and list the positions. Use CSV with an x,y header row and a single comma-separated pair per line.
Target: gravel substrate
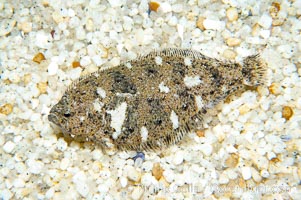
x,y
250,148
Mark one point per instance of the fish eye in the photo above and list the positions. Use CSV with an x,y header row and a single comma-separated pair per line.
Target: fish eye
x,y
67,114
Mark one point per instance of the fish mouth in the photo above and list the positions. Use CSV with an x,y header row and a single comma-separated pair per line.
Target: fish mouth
x,y
53,118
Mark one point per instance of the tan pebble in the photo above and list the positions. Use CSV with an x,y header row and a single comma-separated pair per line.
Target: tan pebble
x,y
287,112
42,86
231,42
26,191
200,133
26,78
255,175
229,54
75,64
275,160
38,58
262,90
232,160
160,198
153,6
104,52
244,109
242,183
7,25
57,17
255,30
26,27
277,22
7,81
275,88
137,193
90,25
134,175
200,23
45,3
191,16
164,182
274,9
157,171
6,109
232,14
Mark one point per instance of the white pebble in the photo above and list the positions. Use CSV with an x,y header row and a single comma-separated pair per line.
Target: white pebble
x,y
49,194
127,23
178,158
34,166
223,179
61,144
5,194
256,176
19,183
74,73
9,146
279,147
79,179
264,173
64,163
246,173
206,149
2,139
94,3
116,3
42,40
173,21
80,33
123,181
82,189
80,176
103,188
147,179
52,68
165,7
137,193
213,24
271,155
133,174
169,175
20,167
265,21
265,33
85,61
177,8
115,61
147,166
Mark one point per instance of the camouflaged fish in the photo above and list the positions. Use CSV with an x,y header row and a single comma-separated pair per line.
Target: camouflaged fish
x,y
152,101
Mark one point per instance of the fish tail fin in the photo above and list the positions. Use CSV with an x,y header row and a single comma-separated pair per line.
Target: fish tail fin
x,y
254,71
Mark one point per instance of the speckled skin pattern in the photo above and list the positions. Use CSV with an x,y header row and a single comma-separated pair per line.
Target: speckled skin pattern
x,y
158,98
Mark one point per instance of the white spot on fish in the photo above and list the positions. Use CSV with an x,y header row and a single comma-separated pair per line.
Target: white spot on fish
x,y
174,119
199,102
97,105
117,118
101,92
144,133
158,60
191,81
163,88
187,61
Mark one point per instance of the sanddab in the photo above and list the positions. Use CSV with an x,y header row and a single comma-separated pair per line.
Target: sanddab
x,y
152,101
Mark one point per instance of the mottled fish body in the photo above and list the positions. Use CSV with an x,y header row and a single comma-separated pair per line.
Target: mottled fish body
x,y
152,101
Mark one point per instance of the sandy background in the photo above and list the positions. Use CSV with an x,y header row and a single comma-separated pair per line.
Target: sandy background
x,y
249,150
